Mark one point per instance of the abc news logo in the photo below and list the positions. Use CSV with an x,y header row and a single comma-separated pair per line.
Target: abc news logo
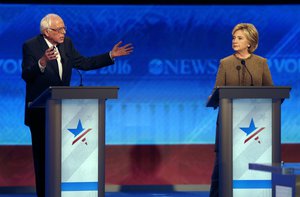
x,y
182,67
170,67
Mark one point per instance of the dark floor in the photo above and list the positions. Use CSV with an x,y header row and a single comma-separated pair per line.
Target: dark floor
x,y
133,194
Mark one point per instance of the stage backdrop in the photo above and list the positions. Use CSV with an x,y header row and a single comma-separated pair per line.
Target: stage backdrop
x,y
165,83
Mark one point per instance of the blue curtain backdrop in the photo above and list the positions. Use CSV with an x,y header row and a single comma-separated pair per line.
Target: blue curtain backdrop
x,y
165,83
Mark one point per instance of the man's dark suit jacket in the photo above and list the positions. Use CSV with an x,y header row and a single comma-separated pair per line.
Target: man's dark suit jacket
x,y
37,81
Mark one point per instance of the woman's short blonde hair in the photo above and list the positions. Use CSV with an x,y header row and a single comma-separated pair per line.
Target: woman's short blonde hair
x,y
251,34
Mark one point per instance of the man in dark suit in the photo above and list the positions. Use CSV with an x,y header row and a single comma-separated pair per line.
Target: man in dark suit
x,y
48,60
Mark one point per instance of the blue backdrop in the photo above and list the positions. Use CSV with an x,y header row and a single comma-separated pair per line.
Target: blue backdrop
x,y
165,83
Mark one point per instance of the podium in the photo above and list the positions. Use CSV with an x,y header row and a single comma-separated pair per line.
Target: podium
x,y
285,177
249,132
75,139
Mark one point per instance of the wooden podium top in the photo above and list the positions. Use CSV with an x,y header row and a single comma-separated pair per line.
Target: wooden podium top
x,y
231,92
75,92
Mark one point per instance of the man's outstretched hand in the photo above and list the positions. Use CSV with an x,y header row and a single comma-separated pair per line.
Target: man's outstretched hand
x,y
121,51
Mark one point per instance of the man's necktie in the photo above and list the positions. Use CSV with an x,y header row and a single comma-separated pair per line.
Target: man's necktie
x,y
60,68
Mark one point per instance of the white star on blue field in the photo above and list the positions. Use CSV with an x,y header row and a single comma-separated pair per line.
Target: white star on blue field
x,y
78,130
250,129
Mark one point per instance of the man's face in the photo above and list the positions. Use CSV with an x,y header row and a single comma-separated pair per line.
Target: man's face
x,y
56,32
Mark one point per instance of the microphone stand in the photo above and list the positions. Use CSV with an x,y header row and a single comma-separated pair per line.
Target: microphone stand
x,y
244,64
80,75
238,67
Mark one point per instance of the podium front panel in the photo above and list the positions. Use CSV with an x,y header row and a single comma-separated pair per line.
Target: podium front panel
x,y
251,143
79,147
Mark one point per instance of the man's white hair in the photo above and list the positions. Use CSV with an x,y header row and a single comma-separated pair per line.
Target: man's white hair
x,y
46,22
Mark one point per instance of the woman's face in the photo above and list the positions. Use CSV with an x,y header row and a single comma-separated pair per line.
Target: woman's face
x,y
239,41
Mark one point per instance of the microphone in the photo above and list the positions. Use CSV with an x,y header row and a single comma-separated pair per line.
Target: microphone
x,y
238,67
244,64
80,75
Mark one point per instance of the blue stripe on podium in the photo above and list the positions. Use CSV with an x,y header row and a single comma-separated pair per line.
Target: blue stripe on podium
x,y
248,184
79,186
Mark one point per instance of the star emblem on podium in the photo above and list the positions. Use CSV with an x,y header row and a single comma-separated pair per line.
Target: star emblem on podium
x,y
79,133
252,132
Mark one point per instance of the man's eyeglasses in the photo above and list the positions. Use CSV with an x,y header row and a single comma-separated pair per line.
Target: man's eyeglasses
x,y
59,30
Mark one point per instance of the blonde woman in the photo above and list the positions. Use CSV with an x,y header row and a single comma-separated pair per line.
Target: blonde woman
x,y
242,68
